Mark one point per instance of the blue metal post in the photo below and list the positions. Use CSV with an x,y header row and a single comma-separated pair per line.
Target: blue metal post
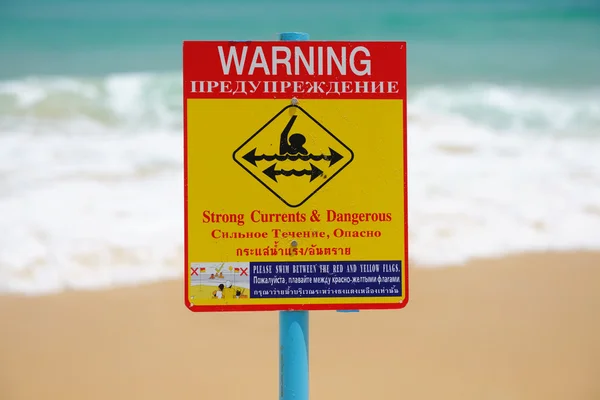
x,y
293,36
293,355
293,328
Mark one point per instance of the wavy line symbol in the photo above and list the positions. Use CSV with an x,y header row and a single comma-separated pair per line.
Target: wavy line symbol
x,y
332,157
313,172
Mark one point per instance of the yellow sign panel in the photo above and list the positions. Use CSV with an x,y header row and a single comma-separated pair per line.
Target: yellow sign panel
x,y
293,155
309,214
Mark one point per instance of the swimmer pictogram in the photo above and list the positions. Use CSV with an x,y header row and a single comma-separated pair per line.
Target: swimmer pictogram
x,y
298,158
292,149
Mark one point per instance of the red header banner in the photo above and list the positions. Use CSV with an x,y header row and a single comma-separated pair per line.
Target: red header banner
x,y
307,69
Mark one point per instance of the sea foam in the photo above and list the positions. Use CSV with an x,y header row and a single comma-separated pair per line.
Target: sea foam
x,y
91,185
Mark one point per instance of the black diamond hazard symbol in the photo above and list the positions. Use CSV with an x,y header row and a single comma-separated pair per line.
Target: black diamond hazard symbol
x,y
293,155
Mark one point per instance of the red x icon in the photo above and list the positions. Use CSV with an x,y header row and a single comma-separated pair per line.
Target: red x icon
x,y
194,271
244,271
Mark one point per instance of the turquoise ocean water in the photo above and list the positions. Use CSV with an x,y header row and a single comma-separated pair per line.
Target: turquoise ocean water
x,y
545,42
504,126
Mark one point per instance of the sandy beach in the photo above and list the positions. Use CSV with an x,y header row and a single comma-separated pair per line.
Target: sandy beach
x,y
523,327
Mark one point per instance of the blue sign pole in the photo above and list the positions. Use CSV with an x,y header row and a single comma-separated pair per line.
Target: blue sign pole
x,y
293,355
293,328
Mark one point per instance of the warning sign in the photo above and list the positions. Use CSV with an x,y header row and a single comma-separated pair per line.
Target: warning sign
x,y
295,175
293,155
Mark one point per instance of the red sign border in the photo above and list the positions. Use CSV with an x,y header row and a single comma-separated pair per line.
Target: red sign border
x,y
295,307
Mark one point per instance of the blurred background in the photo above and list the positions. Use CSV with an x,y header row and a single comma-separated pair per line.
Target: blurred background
x,y
504,126
504,164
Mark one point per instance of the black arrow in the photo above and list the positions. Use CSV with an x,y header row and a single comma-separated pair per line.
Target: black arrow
x,y
333,157
314,172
